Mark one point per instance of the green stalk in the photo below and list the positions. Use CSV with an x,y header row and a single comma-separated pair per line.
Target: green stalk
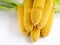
x,y
57,6
5,8
9,4
10,1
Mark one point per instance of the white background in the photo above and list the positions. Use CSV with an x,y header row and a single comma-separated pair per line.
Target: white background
x,y
10,35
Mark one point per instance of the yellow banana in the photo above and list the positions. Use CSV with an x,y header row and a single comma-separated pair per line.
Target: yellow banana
x,y
45,31
46,13
27,20
20,10
36,12
35,34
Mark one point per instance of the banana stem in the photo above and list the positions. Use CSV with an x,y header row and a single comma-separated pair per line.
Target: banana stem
x,y
57,6
6,8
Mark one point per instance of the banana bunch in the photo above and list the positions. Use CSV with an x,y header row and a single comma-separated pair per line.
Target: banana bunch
x,y
35,18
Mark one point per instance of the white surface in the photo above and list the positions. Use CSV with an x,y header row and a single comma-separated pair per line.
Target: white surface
x,y
10,35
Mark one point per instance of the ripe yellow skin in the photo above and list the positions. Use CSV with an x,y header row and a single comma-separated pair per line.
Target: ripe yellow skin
x,y
27,20
39,3
46,13
36,12
20,10
35,34
36,15
45,31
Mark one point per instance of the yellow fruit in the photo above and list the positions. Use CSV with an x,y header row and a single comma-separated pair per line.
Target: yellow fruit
x,y
27,20
39,4
46,13
20,10
35,34
45,31
36,12
35,18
